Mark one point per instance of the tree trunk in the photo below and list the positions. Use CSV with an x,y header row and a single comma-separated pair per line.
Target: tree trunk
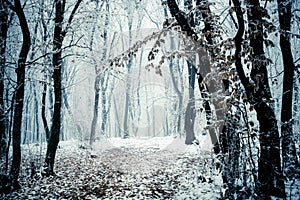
x,y
96,109
36,116
175,82
99,80
180,18
43,111
27,121
203,12
177,109
126,110
269,172
128,85
190,112
117,124
44,92
288,143
104,82
19,95
96,82
57,65
59,35
105,110
3,37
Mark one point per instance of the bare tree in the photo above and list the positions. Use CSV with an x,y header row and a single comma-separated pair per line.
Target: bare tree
x,y
59,35
19,93
100,78
3,36
259,95
269,173
288,143
44,26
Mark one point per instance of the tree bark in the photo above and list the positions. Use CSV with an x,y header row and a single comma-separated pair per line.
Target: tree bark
x,y
96,108
59,35
288,143
99,80
44,92
128,84
57,65
19,94
205,12
103,82
269,172
190,113
180,18
96,82
43,111
36,115
175,82
3,37
126,110
105,110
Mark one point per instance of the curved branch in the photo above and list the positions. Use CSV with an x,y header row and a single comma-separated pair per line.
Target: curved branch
x,y
238,43
180,18
64,32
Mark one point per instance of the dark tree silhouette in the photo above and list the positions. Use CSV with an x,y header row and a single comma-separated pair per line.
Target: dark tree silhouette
x,y
257,90
3,37
19,94
269,172
258,93
59,35
288,143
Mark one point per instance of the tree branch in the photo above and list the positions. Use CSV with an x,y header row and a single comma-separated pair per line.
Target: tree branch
x,y
238,43
64,32
180,18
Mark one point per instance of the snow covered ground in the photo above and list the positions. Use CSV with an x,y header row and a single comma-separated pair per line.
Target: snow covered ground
x,y
135,168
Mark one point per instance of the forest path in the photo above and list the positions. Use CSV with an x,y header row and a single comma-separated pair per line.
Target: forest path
x,y
125,169
141,155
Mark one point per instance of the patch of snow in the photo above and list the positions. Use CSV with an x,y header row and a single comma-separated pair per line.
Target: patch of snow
x,y
115,168
142,142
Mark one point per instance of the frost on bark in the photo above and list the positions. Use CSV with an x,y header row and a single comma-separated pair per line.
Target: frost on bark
x,y
45,78
204,13
269,172
258,93
57,65
288,144
190,112
59,34
186,25
19,94
3,37
96,83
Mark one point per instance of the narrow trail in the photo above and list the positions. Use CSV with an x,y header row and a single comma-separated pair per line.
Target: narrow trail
x,y
140,155
128,170
132,160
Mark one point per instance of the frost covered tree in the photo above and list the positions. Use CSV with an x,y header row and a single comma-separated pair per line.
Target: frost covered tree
x,y
190,112
289,155
101,80
19,93
227,73
4,11
58,38
258,93
249,45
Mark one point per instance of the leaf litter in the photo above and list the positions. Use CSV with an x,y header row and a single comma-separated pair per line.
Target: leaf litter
x,y
122,169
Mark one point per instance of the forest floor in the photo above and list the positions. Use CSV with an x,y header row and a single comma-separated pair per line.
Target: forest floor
x,y
141,168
